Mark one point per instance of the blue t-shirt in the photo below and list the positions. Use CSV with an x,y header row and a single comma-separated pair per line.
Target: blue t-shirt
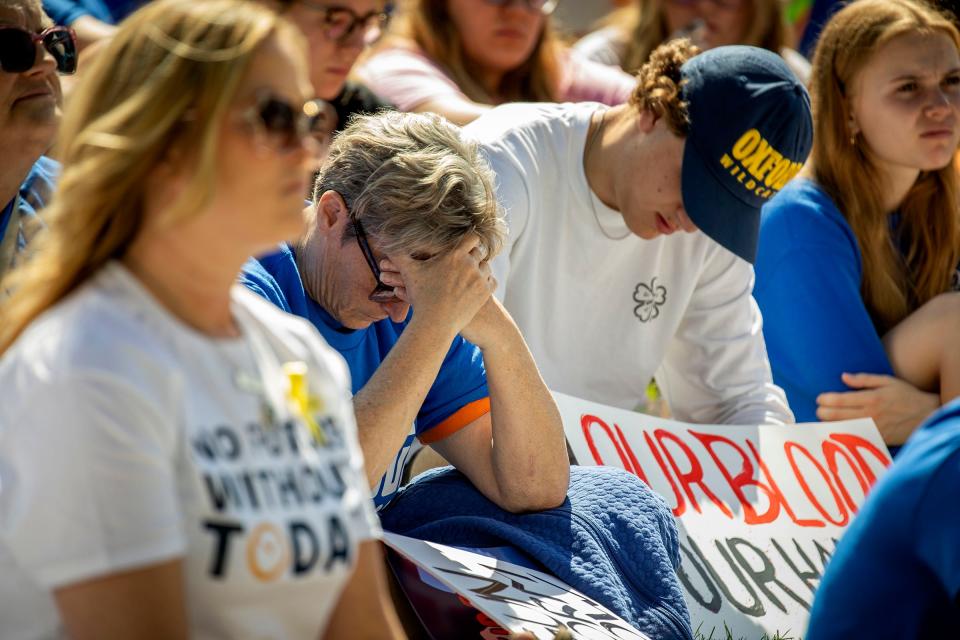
x,y
896,571
458,395
815,322
65,12
20,215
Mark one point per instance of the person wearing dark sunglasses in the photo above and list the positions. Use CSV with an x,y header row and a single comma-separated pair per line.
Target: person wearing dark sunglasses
x,y
32,52
459,57
338,31
394,272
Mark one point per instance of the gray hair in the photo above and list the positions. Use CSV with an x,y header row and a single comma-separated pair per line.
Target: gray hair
x,y
413,182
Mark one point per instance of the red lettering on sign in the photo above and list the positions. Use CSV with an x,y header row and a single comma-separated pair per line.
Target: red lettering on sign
x,y
789,448
692,477
630,455
587,421
855,444
830,451
803,522
745,478
681,507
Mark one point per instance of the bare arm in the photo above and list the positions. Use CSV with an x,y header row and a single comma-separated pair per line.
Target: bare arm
x,y
459,110
388,404
144,603
516,455
446,292
365,610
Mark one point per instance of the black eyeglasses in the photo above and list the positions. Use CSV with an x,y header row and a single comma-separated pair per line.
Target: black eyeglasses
x,y
282,127
546,7
340,23
381,293
18,48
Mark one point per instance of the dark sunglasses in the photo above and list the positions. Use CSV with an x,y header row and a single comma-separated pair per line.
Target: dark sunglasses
x,y
381,293
340,23
283,127
546,7
18,48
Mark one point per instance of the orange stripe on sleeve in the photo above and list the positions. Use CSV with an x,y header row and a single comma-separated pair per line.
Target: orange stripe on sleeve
x,y
463,416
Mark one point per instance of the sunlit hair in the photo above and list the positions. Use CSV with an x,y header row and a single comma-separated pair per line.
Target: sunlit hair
x,y
33,6
658,85
414,184
428,24
163,82
894,283
642,27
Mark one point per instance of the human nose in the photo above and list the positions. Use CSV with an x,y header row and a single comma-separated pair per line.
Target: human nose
x,y
45,63
940,104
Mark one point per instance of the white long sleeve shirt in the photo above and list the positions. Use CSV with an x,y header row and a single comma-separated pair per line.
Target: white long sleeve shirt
x,y
603,310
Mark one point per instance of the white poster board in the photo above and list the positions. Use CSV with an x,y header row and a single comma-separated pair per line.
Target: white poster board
x,y
517,598
759,509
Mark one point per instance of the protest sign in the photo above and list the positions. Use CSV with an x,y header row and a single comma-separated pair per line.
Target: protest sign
x,y
760,509
516,598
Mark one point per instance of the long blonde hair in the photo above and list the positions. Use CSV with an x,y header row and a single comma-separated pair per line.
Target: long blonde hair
x,y
428,24
894,283
642,27
165,79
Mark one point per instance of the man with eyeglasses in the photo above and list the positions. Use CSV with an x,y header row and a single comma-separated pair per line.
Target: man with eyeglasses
x,y
337,32
31,54
405,216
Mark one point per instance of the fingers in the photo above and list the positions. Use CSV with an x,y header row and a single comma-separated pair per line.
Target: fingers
x,y
840,413
844,399
866,380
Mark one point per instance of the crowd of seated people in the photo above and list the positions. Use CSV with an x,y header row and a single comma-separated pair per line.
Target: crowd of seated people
x,y
266,252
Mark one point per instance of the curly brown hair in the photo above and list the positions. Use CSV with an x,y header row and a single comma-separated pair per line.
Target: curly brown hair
x,y
658,84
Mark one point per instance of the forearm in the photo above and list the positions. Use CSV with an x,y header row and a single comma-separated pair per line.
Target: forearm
x,y
388,404
529,454
365,609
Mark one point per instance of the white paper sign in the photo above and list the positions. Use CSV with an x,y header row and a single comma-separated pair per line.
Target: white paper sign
x,y
517,598
759,508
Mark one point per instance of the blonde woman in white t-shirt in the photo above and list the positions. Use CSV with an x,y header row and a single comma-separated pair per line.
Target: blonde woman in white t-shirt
x,y
177,457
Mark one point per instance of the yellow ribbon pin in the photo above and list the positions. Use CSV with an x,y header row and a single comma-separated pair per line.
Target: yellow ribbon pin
x,y
298,395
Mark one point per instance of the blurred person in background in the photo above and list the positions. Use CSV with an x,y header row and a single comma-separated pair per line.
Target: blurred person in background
x,y
32,53
460,57
337,32
630,34
197,444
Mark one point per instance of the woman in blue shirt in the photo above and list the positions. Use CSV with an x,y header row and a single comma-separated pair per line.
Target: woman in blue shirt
x,y
854,255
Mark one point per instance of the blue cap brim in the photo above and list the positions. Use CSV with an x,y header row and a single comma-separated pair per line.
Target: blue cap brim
x,y
703,195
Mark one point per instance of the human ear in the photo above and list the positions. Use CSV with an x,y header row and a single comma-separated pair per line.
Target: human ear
x,y
331,210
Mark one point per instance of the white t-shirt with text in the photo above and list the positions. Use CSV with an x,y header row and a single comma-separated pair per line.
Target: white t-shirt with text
x,y
127,439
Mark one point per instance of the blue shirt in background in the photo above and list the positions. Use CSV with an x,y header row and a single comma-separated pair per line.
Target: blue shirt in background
x,y
19,219
65,12
458,396
808,274
896,571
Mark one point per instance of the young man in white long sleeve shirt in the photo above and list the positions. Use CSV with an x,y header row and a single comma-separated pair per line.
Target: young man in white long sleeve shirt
x,y
632,231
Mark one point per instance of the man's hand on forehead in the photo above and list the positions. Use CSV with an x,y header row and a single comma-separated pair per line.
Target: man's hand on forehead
x,y
448,288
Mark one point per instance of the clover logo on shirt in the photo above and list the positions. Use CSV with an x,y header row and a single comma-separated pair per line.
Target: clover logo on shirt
x,y
649,299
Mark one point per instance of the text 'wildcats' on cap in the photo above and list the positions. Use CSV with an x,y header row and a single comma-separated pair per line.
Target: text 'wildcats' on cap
x,y
750,132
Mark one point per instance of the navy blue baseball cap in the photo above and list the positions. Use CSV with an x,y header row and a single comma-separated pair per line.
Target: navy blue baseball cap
x,y
750,132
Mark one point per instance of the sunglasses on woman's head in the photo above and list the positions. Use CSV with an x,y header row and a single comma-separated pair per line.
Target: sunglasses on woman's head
x,y
18,48
283,126
545,7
